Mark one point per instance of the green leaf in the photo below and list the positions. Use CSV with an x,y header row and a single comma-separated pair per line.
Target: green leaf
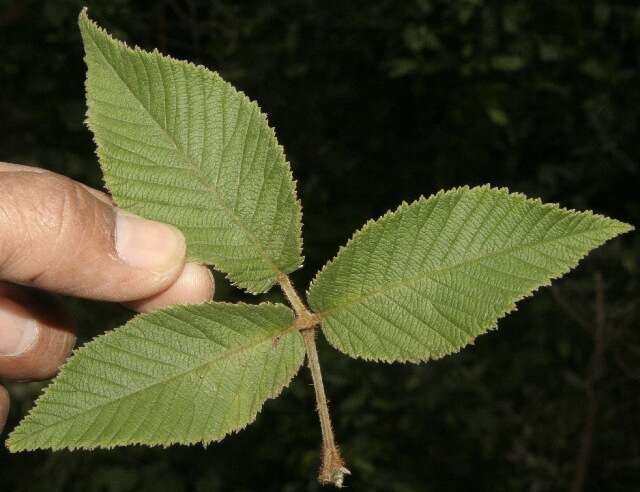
x,y
425,280
183,375
178,144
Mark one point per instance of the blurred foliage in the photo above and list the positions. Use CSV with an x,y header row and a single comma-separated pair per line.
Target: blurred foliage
x,y
378,102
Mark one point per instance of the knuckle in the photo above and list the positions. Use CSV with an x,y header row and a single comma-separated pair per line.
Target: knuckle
x,y
57,203
45,214
62,206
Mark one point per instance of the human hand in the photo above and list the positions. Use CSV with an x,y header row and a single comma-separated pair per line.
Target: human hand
x,y
63,237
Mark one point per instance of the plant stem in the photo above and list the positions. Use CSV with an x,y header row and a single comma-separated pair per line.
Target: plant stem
x,y
292,295
332,469
304,318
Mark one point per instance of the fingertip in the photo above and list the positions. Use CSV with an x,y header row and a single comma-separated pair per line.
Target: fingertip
x,y
195,285
50,342
61,236
149,246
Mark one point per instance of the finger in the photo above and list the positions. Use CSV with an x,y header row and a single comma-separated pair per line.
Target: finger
x,y
36,336
195,285
20,168
4,406
58,236
8,167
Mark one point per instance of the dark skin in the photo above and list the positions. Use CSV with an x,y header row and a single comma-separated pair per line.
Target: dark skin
x,y
59,236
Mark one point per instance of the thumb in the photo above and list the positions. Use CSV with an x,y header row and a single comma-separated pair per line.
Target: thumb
x,y
57,235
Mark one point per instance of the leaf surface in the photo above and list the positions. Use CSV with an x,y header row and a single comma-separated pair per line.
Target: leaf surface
x,y
183,375
179,145
425,280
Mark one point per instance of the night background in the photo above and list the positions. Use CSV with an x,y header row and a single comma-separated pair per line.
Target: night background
x,y
376,102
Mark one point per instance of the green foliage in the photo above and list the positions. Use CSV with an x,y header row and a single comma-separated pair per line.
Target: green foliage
x,y
179,145
145,109
183,375
425,280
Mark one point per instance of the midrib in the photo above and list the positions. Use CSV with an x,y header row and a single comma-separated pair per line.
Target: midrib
x,y
188,159
225,355
423,275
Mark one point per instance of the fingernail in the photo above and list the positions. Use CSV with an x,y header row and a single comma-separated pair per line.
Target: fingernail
x,y
17,332
149,245
198,281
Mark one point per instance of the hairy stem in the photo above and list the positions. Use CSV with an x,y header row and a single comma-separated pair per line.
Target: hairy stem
x,y
304,318
333,469
292,295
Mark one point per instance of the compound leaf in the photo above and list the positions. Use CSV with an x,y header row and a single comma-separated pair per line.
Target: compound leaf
x,y
425,280
183,375
178,144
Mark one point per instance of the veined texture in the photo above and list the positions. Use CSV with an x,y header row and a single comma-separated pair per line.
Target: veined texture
x,y
425,280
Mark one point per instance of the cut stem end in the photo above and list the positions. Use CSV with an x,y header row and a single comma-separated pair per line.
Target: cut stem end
x,y
333,469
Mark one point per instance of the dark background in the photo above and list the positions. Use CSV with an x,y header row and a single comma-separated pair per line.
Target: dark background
x,y
378,102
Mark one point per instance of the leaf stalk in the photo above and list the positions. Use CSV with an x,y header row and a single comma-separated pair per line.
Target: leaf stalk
x,y
332,470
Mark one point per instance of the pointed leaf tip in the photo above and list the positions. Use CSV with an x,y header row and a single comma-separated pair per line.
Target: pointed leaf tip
x,y
183,375
425,280
179,145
